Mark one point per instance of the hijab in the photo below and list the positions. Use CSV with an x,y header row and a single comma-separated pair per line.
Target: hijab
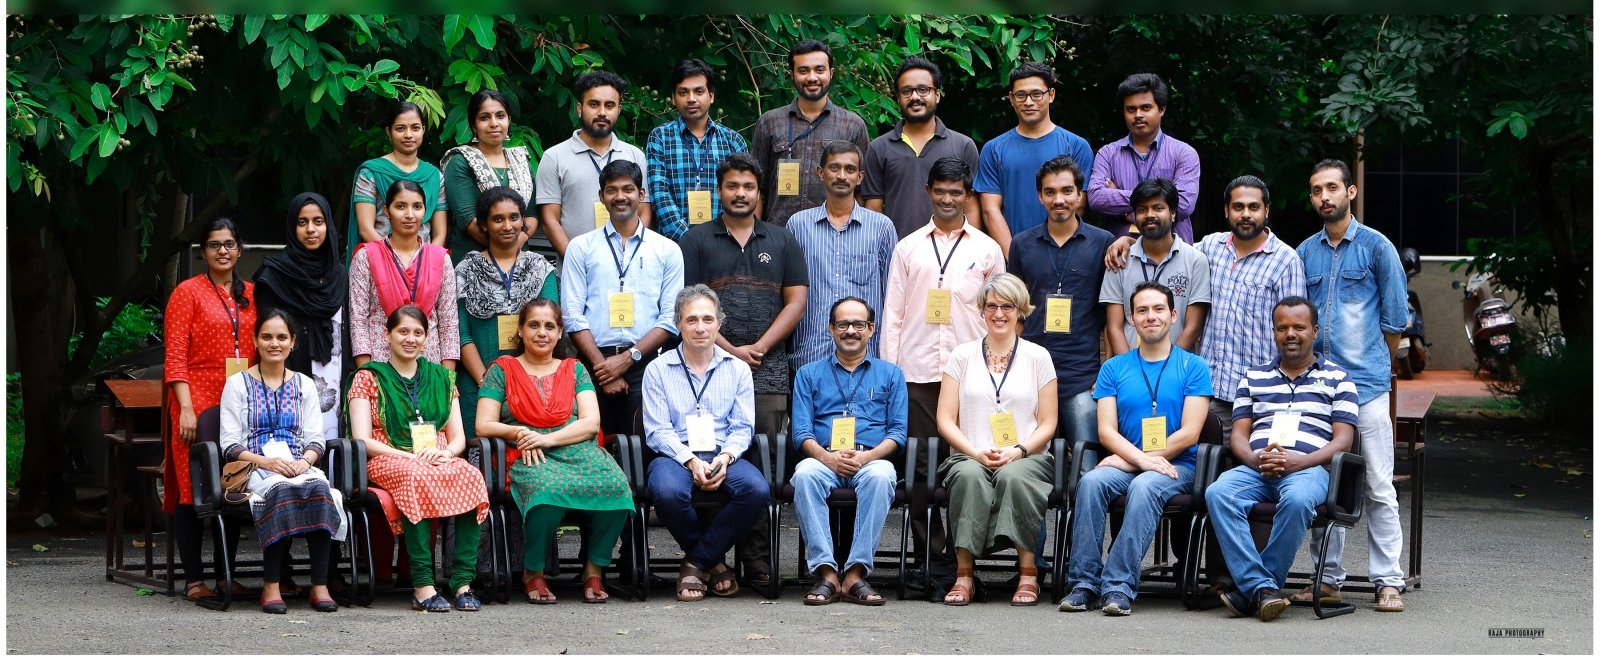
x,y
311,284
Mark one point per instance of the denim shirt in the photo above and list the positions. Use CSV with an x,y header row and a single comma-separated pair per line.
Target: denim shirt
x,y
1359,289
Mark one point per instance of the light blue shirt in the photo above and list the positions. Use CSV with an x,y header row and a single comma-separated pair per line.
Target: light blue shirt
x,y
590,273
1359,289
728,395
852,262
875,395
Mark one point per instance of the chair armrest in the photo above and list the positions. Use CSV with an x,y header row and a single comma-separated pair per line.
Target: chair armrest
x,y
763,456
205,475
1058,452
491,461
633,449
336,465
1347,487
1208,466
781,469
908,476
931,453
1085,455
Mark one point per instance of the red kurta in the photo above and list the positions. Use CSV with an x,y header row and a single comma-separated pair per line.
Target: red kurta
x,y
198,332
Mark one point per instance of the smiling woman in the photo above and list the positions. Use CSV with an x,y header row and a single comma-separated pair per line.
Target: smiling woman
x,y
369,221
398,271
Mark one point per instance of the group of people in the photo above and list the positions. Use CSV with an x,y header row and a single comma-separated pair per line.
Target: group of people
x,y
847,294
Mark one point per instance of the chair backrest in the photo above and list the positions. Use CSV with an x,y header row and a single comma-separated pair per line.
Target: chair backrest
x,y
208,426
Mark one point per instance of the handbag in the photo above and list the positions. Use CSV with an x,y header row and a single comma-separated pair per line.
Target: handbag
x,y
236,480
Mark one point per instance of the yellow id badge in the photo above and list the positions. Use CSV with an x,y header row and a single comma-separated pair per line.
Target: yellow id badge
x,y
938,311
601,215
1004,429
234,365
506,329
1058,314
424,436
1155,434
699,206
788,178
621,309
843,436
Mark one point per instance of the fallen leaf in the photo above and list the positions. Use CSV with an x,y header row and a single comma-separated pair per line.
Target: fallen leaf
x,y
766,602
669,607
288,635
298,621
39,548
622,631
1574,471
1521,494
143,591
757,636
562,652
1588,534
139,543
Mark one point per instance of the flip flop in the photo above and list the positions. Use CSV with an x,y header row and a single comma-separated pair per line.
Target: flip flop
x,y
722,574
859,591
825,589
1329,593
1389,601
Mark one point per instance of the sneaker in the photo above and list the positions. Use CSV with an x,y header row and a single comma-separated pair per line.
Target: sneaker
x,y
1117,604
1237,603
1078,600
1270,603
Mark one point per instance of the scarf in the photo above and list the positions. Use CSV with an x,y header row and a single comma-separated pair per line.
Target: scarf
x,y
432,384
390,284
311,284
384,173
532,408
519,175
483,292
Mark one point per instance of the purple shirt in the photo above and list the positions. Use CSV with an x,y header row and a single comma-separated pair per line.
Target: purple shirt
x,y
1169,158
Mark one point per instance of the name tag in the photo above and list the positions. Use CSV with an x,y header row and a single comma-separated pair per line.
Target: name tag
x,y
844,434
699,206
621,309
938,311
1285,425
702,433
788,178
601,215
234,365
506,329
276,450
1004,429
1155,434
1058,314
424,436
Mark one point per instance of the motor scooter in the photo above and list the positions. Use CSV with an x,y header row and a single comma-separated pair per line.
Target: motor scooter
x,y
1490,325
1413,352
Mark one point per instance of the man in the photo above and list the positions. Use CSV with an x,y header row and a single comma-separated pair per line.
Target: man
x,y
1009,161
1354,277
759,274
683,153
931,304
1146,152
697,418
617,286
1141,396
565,186
898,161
788,139
847,247
1162,259
1291,415
849,419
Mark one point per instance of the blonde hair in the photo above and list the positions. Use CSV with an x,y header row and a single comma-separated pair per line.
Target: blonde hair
x,y
1008,288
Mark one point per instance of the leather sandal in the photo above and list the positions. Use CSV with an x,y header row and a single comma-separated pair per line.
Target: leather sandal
x,y
689,580
860,593
825,589
1027,594
537,585
199,590
962,593
1389,601
594,584
722,574
1329,594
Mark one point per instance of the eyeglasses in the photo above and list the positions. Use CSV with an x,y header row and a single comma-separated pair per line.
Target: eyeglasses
x,y
846,325
222,246
1022,96
908,92
992,307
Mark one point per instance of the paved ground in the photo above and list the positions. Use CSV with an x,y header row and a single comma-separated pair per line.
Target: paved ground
x,y
1508,545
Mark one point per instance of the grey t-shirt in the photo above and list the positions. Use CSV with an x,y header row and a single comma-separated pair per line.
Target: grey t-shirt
x,y
1185,271
569,174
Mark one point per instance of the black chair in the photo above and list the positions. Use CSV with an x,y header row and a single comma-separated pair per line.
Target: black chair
x,y
205,482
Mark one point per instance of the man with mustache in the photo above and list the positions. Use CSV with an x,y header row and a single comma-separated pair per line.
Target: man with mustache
x,y
566,188
898,161
758,271
788,140
1146,152
683,153
1163,259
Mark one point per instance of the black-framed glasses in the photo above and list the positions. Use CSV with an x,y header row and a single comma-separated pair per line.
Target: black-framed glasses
x,y
992,307
230,245
1022,96
846,325
908,92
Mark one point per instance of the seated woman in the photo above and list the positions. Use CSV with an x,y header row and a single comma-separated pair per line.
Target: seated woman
x,y
997,410
400,408
548,410
272,417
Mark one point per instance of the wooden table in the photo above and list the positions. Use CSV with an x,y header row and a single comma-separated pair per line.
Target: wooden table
x,y
1410,409
135,417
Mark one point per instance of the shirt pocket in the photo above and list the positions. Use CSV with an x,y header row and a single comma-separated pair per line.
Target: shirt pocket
x,y
1355,285
1314,283
863,268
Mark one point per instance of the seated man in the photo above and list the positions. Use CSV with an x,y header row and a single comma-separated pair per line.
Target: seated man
x,y
699,402
1140,395
849,418
1289,419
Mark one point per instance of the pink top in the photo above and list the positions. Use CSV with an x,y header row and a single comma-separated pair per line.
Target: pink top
x,y
907,339
367,319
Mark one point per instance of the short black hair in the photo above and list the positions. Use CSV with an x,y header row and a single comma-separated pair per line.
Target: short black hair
x,y
476,103
1247,181
1058,164
837,146
1297,300
1172,303
1033,70
1153,187
872,316
1335,163
809,46
913,63
621,169
950,168
689,68
594,79
741,161
1140,83
487,200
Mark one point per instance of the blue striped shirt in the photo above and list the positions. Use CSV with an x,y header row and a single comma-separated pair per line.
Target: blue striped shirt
x,y
851,262
1324,394
1238,331
680,162
729,396
590,273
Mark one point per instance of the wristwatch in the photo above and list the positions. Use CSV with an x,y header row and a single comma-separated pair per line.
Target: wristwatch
x,y
635,353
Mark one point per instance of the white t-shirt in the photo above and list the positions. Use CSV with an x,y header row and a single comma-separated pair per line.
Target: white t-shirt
x,y
1031,369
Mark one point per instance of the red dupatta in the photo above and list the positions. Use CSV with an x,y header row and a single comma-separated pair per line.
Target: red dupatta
x,y
530,407
393,290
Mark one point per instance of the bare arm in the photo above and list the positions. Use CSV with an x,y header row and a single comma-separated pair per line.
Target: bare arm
x,y
1194,326
994,221
1114,323
367,222
550,220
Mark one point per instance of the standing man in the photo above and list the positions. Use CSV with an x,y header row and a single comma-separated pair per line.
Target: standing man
x,y
565,187
1145,153
1354,277
790,138
617,290
849,419
847,247
683,153
759,273
898,161
1162,259
1009,161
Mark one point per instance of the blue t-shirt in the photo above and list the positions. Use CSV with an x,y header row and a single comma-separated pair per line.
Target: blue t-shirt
x,y
1009,166
1129,378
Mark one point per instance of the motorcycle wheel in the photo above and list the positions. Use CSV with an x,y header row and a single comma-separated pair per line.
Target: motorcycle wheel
x,y
1406,370
1418,357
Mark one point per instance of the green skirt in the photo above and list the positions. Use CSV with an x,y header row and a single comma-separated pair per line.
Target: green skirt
x,y
579,476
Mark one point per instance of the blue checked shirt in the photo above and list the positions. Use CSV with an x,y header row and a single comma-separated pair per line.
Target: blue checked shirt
x,y
852,262
590,273
1243,292
679,162
1322,395
729,397
1359,288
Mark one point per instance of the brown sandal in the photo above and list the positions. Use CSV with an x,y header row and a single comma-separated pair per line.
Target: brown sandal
x,y
861,593
962,593
1389,601
722,574
199,590
689,580
1030,590
1329,594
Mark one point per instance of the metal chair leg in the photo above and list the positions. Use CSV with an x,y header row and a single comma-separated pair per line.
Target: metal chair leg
x,y
1325,610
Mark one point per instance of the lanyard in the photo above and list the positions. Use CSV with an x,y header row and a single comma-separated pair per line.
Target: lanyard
x,y
1289,381
1157,385
505,275
411,286
702,148
1009,361
233,315
1146,268
623,263
703,386
413,389
944,261
1155,145
792,139
849,394
595,162
1062,260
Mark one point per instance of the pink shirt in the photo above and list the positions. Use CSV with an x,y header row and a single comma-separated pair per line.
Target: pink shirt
x,y
907,339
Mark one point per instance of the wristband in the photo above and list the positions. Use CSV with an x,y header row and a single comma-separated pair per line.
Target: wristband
x,y
1023,448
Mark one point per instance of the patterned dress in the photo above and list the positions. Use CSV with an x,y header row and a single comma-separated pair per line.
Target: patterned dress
x,y
254,415
420,491
198,335
367,319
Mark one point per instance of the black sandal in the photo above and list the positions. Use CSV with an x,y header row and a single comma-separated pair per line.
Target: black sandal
x,y
722,574
825,589
858,593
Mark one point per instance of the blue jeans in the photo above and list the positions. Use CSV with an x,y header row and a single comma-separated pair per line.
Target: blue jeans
x,y
1229,502
672,486
1148,493
813,482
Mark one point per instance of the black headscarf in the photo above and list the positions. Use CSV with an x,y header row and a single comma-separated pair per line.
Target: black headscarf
x,y
310,284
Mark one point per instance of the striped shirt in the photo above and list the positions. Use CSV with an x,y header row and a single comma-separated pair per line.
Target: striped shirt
x,y
728,395
1244,291
680,162
1324,394
851,262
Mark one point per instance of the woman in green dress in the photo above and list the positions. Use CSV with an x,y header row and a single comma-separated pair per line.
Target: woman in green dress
x,y
486,162
547,409
368,221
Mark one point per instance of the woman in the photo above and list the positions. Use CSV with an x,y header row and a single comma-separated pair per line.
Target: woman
x,y
207,330
997,411
486,162
272,417
368,220
402,270
547,408
407,412
309,284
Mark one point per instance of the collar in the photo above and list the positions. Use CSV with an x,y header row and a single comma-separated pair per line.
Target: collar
x,y
610,229
855,214
1349,234
1318,361
1270,245
1155,143
718,355
720,227
576,143
933,229
682,127
793,110
866,364
1138,248
898,131
1045,237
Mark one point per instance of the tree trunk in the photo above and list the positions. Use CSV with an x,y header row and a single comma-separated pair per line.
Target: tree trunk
x,y
1560,219
40,284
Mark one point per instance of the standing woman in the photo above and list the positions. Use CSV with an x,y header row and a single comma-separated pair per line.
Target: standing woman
x,y
403,270
547,409
207,329
407,411
368,220
309,284
486,162
271,417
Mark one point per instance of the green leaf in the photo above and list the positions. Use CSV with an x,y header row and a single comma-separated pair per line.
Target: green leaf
x,y
361,24
252,27
913,38
482,30
387,66
284,74
178,80
1496,126
40,548
82,141
108,139
95,168
144,591
314,21
454,29
100,95
1518,126
225,22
